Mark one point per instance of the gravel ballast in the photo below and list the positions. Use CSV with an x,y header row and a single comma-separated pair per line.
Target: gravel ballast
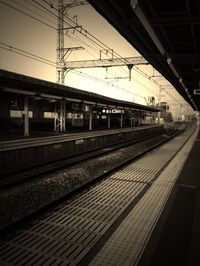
x,y
25,199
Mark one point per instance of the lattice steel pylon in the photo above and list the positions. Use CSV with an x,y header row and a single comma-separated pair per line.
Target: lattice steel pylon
x,y
61,69
60,105
62,51
60,116
60,43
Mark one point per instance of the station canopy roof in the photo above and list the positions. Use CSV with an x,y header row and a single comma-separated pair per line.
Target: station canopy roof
x,y
16,83
166,33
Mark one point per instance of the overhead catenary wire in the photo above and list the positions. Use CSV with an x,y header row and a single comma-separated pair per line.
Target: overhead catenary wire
x,y
85,33
51,63
104,82
80,31
79,40
32,11
26,14
51,13
78,28
43,16
30,3
27,54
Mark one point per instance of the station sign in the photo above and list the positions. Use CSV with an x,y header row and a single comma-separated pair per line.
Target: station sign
x,y
77,107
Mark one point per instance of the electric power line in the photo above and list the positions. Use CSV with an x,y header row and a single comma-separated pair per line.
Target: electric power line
x,y
66,22
29,9
41,10
26,54
26,14
85,33
49,62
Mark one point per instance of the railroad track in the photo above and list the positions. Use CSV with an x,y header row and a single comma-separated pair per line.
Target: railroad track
x,y
27,142
27,192
74,231
9,180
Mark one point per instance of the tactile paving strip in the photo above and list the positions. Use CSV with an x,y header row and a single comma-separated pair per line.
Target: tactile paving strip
x,y
127,244
67,233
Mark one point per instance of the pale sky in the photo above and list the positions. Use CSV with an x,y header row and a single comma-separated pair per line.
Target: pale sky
x,y
23,32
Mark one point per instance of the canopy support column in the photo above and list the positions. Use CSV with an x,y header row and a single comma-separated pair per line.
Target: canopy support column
x,y
26,117
90,118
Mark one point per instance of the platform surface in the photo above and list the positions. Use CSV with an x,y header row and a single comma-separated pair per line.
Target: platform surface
x,y
139,231
42,138
176,238
161,225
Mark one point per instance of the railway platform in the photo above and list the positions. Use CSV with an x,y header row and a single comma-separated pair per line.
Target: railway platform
x,y
176,238
139,215
19,154
163,228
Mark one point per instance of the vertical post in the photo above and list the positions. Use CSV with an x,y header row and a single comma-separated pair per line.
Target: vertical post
x,y
121,119
90,118
130,66
55,118
181,107
131,119
61,116
159,97
64,114
139,118
26,118
158,117
108,118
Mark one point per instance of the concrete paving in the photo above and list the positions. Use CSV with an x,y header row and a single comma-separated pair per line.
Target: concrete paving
x,y
176,238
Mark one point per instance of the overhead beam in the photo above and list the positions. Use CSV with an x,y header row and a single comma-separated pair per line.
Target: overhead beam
x,y
186,58
145,23
167,21
139,60
175,20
